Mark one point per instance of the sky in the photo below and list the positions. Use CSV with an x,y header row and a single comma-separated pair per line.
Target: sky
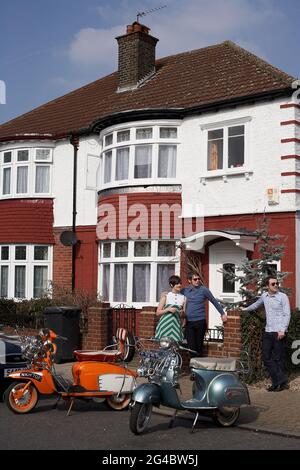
x,y
51,47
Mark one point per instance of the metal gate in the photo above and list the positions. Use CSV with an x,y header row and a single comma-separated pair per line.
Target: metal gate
x,y
123,316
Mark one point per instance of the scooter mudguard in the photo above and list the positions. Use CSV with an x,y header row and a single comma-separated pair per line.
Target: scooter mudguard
x,y
227,390
147,393
41,379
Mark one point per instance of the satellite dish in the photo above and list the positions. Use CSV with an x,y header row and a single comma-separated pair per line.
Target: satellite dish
x,y
68,238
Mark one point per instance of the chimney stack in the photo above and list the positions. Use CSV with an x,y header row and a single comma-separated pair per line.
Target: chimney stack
x,y
136,56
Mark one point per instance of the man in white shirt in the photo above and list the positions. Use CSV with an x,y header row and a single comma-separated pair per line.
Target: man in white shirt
x,y
278,314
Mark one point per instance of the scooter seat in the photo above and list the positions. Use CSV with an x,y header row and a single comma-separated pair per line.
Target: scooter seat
x,y
101,356
214,363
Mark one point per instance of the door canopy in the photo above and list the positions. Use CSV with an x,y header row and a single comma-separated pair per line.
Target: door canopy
x,y
198,241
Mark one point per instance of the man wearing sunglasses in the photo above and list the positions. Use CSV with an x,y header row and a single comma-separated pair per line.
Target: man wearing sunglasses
x,y
278,314
196,295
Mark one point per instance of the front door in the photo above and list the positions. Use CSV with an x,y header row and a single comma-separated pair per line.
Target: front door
x,y
223,255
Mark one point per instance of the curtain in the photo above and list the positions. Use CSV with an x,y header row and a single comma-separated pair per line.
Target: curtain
x,y
141,283
167,161
107,167
166,248
143,161
40,281
42,154
123,136
144,133
122,164
105,281
213,156
22,179
20,279
4,281
42,179
120,283
6,180
121,249
142,249
168,133
164,271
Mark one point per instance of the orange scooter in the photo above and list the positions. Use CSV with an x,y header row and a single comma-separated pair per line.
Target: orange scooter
x,y
98,375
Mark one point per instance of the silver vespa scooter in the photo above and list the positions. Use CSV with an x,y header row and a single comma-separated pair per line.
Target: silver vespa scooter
x,y
217,390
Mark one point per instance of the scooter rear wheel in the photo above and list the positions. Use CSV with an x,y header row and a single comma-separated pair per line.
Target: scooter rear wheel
x,y
18,402
140,417
120,402
226,417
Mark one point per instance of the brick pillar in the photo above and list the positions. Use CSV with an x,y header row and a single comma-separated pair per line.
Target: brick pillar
x,y
232,335
96,337
147,322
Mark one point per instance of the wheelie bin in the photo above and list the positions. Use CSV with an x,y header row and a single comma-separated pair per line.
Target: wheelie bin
x,y
64,321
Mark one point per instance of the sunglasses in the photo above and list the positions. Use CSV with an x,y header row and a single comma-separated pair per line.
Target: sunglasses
x,y
274,284
196,279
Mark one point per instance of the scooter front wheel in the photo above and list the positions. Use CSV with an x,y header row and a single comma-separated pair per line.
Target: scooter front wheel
x,y
118,402
140,417
18,401
226,417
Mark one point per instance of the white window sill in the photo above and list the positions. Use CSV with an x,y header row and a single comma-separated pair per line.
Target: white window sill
x,y
226,174
140,182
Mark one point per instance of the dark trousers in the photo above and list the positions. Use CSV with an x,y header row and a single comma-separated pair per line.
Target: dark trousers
x,y
273,352
195,332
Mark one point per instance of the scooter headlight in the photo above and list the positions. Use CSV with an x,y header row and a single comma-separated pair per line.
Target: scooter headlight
x,y
165,343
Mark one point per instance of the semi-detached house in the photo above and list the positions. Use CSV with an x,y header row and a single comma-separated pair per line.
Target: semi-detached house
x,y
211,134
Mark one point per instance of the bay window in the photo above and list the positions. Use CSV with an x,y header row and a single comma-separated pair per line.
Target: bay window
x,y
136,272
139,153
25,270
25,172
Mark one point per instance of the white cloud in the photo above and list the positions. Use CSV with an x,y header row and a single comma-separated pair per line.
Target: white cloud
x,y
180,27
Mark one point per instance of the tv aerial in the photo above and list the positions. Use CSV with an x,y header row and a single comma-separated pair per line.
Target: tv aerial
x,y
140,14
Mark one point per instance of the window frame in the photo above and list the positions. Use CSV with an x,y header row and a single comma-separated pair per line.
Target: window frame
x,y
31,164
30,263
154,142
153,260
225,125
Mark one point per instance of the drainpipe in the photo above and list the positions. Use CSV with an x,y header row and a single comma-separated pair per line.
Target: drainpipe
x,y
74,140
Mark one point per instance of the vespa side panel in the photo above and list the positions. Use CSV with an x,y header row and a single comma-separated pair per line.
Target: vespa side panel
x,y
103,377
227,390
147,393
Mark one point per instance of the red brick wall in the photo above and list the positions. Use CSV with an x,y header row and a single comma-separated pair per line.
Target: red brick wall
x,y
62,261
26,221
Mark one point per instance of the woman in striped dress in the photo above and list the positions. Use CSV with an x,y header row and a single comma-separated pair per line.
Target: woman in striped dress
x,y
171,311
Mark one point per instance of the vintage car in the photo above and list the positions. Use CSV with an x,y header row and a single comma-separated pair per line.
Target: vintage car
x,y
11,359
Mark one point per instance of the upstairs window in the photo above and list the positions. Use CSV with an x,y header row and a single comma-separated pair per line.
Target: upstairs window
x,y
226,148
25,172
141,153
